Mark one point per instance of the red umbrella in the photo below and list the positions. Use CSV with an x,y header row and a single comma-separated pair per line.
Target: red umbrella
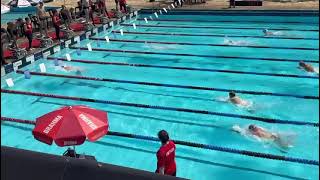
x,y
71,125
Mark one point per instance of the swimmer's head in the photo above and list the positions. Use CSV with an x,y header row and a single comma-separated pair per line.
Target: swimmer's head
x,y
252,127
232,94
163,136
265,30
301,63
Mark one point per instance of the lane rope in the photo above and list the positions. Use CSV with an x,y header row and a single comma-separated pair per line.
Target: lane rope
x,y
147,106
195,145
194,55
224,21
173,85
186,68
219,27
214,35
204,44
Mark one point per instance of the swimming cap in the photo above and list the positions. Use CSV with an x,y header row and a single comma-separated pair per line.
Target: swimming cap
x,y
163,136
265,30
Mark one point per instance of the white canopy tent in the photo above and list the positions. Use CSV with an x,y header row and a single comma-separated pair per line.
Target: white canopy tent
x,y
19,3
4,9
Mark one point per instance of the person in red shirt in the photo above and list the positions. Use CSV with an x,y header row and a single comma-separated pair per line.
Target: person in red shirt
x,y
28,32
56,23
166,155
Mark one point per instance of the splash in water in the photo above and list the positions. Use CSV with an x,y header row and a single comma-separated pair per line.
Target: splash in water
x,y
159,47
229,41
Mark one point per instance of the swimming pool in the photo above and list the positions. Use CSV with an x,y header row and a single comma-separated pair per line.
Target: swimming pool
x,y
179,63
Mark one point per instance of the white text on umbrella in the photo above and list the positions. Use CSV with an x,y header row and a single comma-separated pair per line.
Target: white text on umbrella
x,y
52,124
88,121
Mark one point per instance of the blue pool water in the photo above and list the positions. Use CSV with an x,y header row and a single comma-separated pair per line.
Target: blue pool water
x,y
280,55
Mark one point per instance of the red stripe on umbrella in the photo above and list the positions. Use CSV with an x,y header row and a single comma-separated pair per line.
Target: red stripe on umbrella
x,y
71,125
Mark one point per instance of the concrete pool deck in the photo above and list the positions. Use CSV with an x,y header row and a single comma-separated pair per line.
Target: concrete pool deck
x,y
210,5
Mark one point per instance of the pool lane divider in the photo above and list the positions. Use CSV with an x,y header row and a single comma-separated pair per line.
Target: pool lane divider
x,y
204,44
170,85
192,55
225,21
195,145
214,35
147,106
219,27
184,68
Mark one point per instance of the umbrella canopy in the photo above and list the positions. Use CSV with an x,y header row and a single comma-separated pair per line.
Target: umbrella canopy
x,y
71,125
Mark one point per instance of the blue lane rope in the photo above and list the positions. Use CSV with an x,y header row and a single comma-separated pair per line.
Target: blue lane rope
x,y
186,68
172,85
192,20
146,106
215,35
195,55
205,44
196,145
218,27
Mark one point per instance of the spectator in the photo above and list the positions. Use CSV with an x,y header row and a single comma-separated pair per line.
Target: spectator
x,y
41,13
84,4
166,155
92,10
117,4
3,39
56,23
28,32
123,6
12,32
103,8
20,27
66,16
72,13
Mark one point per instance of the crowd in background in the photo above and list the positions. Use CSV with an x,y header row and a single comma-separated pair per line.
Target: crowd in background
x,y
41,21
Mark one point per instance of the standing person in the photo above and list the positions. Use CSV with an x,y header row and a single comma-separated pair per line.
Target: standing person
x,y
3,39
13,33
41,13
103,8
66,16
117,4
56,23
28,32
85,7
166,155
123,5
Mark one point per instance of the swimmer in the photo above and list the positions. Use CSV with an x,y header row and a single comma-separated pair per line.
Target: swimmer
x,y
72,68
159,47
283,141
233,98
235,43
308,67
269,33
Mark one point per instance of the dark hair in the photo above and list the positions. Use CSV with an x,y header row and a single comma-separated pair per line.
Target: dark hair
x,y
41,3
232,94
252,127
163,136
26,19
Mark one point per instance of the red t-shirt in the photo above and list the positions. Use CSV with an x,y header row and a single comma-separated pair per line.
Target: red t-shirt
x,y
28,28
56,20
166,158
